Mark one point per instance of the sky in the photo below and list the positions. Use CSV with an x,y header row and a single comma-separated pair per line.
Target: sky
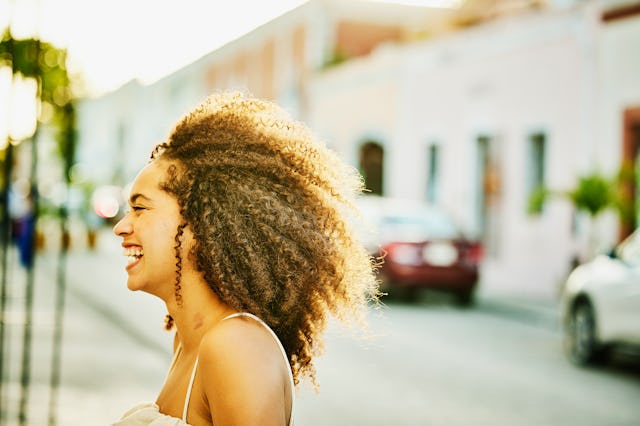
x,y
113,41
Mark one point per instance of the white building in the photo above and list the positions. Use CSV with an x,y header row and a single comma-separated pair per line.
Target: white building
x,y
472,119
475,120
275,61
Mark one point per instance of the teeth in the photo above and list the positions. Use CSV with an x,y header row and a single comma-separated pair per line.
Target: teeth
x,y
133,252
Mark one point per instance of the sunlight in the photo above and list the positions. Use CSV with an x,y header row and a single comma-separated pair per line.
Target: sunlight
x,y
18,109
111,43
444,4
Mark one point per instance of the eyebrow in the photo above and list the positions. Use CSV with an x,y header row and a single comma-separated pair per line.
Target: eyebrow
x,y
134,197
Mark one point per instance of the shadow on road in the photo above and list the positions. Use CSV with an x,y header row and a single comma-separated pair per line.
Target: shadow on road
x,y
421,297
624,363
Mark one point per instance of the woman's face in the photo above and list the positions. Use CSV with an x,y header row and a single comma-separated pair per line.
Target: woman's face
x,y
148,231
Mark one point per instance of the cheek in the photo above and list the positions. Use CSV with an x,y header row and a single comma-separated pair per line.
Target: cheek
x,y
166,238
163,237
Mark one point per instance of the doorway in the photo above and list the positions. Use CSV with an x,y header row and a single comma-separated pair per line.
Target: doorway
x,y
630,172
372,167
488,185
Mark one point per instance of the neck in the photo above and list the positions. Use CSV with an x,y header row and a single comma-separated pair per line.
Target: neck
x,y
199,311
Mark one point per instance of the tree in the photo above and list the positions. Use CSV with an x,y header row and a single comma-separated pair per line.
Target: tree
x,y
46,64
33,58
593,194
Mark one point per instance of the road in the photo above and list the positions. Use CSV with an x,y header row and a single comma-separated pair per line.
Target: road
x,y
436,365
423,364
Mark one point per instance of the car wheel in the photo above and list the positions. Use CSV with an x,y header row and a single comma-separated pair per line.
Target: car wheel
x,y
581,342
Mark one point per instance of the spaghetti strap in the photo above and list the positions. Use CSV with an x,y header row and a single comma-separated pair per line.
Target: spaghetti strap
x,y
175,357
188,396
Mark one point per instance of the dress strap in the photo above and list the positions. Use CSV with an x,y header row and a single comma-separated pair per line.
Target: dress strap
x,y
173,361
188,396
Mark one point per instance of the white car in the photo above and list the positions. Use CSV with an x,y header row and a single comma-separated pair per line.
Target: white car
x,y
601,304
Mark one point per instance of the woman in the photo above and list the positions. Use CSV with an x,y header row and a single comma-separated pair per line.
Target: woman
x,y
239,224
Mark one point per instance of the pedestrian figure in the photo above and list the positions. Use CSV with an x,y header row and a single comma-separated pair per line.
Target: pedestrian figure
x,y
23,221
239,223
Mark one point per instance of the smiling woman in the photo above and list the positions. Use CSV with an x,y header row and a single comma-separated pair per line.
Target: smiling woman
x,y
239,224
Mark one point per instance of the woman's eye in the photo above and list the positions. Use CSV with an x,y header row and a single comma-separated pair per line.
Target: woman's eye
x,y
137,208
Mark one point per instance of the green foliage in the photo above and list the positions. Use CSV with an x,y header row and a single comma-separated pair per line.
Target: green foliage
x,y
337,57
33,58
537,198
627,185
594,193
66,137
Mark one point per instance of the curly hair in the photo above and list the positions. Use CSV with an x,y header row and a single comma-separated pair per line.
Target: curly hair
x,y
269,209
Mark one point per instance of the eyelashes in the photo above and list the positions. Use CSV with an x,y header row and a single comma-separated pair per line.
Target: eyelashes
x,y
134,209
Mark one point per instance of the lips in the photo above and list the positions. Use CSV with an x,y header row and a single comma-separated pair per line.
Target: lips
x,y
133,254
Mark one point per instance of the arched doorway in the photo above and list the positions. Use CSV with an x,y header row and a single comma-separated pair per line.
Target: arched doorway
x,y
372,167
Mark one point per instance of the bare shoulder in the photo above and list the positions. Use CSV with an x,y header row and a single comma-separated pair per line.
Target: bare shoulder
x,y
237,334
239,340
243,373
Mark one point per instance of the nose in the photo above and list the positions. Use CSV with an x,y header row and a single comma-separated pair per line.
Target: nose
x,y
123,227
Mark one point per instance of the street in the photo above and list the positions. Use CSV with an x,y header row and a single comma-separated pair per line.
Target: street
x,y
423,364
442,366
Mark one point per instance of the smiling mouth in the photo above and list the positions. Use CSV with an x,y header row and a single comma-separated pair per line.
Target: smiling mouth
x,y
133,255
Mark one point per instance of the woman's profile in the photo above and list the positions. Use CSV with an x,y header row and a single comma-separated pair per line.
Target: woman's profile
x,y
239,223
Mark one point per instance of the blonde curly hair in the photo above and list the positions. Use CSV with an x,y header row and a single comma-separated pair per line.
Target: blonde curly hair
x,y
268,205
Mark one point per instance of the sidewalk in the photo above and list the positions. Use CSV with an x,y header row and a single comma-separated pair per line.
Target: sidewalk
x,y
115,351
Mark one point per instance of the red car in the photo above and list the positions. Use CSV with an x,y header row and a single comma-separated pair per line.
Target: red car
x,y
422,248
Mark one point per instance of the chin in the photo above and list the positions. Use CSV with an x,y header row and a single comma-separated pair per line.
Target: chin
x,y
138,286
134,285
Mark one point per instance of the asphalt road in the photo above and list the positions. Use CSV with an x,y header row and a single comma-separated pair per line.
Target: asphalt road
x,y
423,364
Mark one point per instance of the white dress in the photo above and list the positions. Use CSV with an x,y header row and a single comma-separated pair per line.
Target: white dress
x,y
148,414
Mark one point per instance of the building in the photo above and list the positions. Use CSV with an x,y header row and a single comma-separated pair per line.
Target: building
x,y
472,110
275,61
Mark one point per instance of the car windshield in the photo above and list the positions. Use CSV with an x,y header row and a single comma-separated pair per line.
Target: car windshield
x,y
418,227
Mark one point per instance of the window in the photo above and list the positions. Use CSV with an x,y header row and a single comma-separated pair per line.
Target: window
x,y
488,193
482,167
536,172
433,173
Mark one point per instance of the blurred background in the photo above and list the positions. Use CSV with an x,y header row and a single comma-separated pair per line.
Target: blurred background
x,y
498,141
